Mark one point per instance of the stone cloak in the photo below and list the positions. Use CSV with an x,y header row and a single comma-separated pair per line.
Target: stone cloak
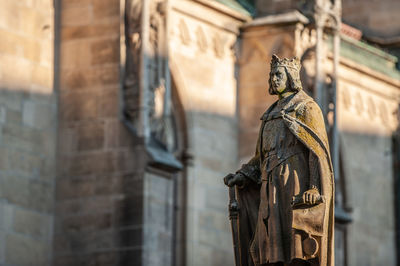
x,y
304,119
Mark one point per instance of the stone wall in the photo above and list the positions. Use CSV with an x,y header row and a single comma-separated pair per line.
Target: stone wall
x,y
27,132
367,121
203,68
95,159
378,17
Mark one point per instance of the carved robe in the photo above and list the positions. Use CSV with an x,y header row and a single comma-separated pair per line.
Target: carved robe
x,y
292,156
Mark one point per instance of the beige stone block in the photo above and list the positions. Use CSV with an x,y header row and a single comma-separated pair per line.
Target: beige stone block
x,y
200,73
21,162
75,79
9,15
67,139
75,188
14,117
88,221
27,193
90,31
8,219
109,103
75,54
90,135
78,106
44,95
48,140
105,51
16,73
76,15
93,163
4,158
2,247
3,114
105,8
75,3
44,4
215,143
217,197
1,215
80,205
22,133
22,250
214,238
117,134
12,100
32,223
46,54
32,50
42,76
10,42
19,143
214,220
38,22
36,115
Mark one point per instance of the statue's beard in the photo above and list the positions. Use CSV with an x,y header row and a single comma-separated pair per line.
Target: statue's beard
x,y
272,89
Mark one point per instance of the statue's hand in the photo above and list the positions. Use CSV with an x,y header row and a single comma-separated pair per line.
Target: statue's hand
x,y
311,196
235,179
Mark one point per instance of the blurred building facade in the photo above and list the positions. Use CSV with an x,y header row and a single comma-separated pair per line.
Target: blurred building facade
x,y
119,119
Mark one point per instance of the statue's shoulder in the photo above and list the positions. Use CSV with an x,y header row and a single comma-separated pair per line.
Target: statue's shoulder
x,y
307,112
305,106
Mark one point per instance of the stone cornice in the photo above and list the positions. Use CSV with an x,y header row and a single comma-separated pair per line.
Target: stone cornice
x,y
290,17
224,9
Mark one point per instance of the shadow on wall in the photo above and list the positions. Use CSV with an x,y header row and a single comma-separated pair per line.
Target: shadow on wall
x,y
396,177
28,136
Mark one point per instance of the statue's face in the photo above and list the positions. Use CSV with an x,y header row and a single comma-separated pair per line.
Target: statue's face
x,y
278,81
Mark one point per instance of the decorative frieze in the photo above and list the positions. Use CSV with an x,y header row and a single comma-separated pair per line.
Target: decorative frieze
x,y
184,33
201,39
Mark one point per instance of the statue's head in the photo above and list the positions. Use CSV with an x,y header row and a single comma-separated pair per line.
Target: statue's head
x,y
284,75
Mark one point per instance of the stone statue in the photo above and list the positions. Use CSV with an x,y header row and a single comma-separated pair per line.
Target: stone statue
x,y
285,192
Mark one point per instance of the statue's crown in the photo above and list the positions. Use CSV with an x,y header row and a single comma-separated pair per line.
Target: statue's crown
x,y
293,63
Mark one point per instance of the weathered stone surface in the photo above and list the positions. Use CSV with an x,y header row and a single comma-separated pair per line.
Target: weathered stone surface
x,y
105,51
94,163
13,117
78,106
42,76
37,115
76,15
75,79
105,8
128,257
75,188
27,112
109,104
2,247
75,205
22,250
86,222
32,223
90,136
90,31
31,194
118,135
76,53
